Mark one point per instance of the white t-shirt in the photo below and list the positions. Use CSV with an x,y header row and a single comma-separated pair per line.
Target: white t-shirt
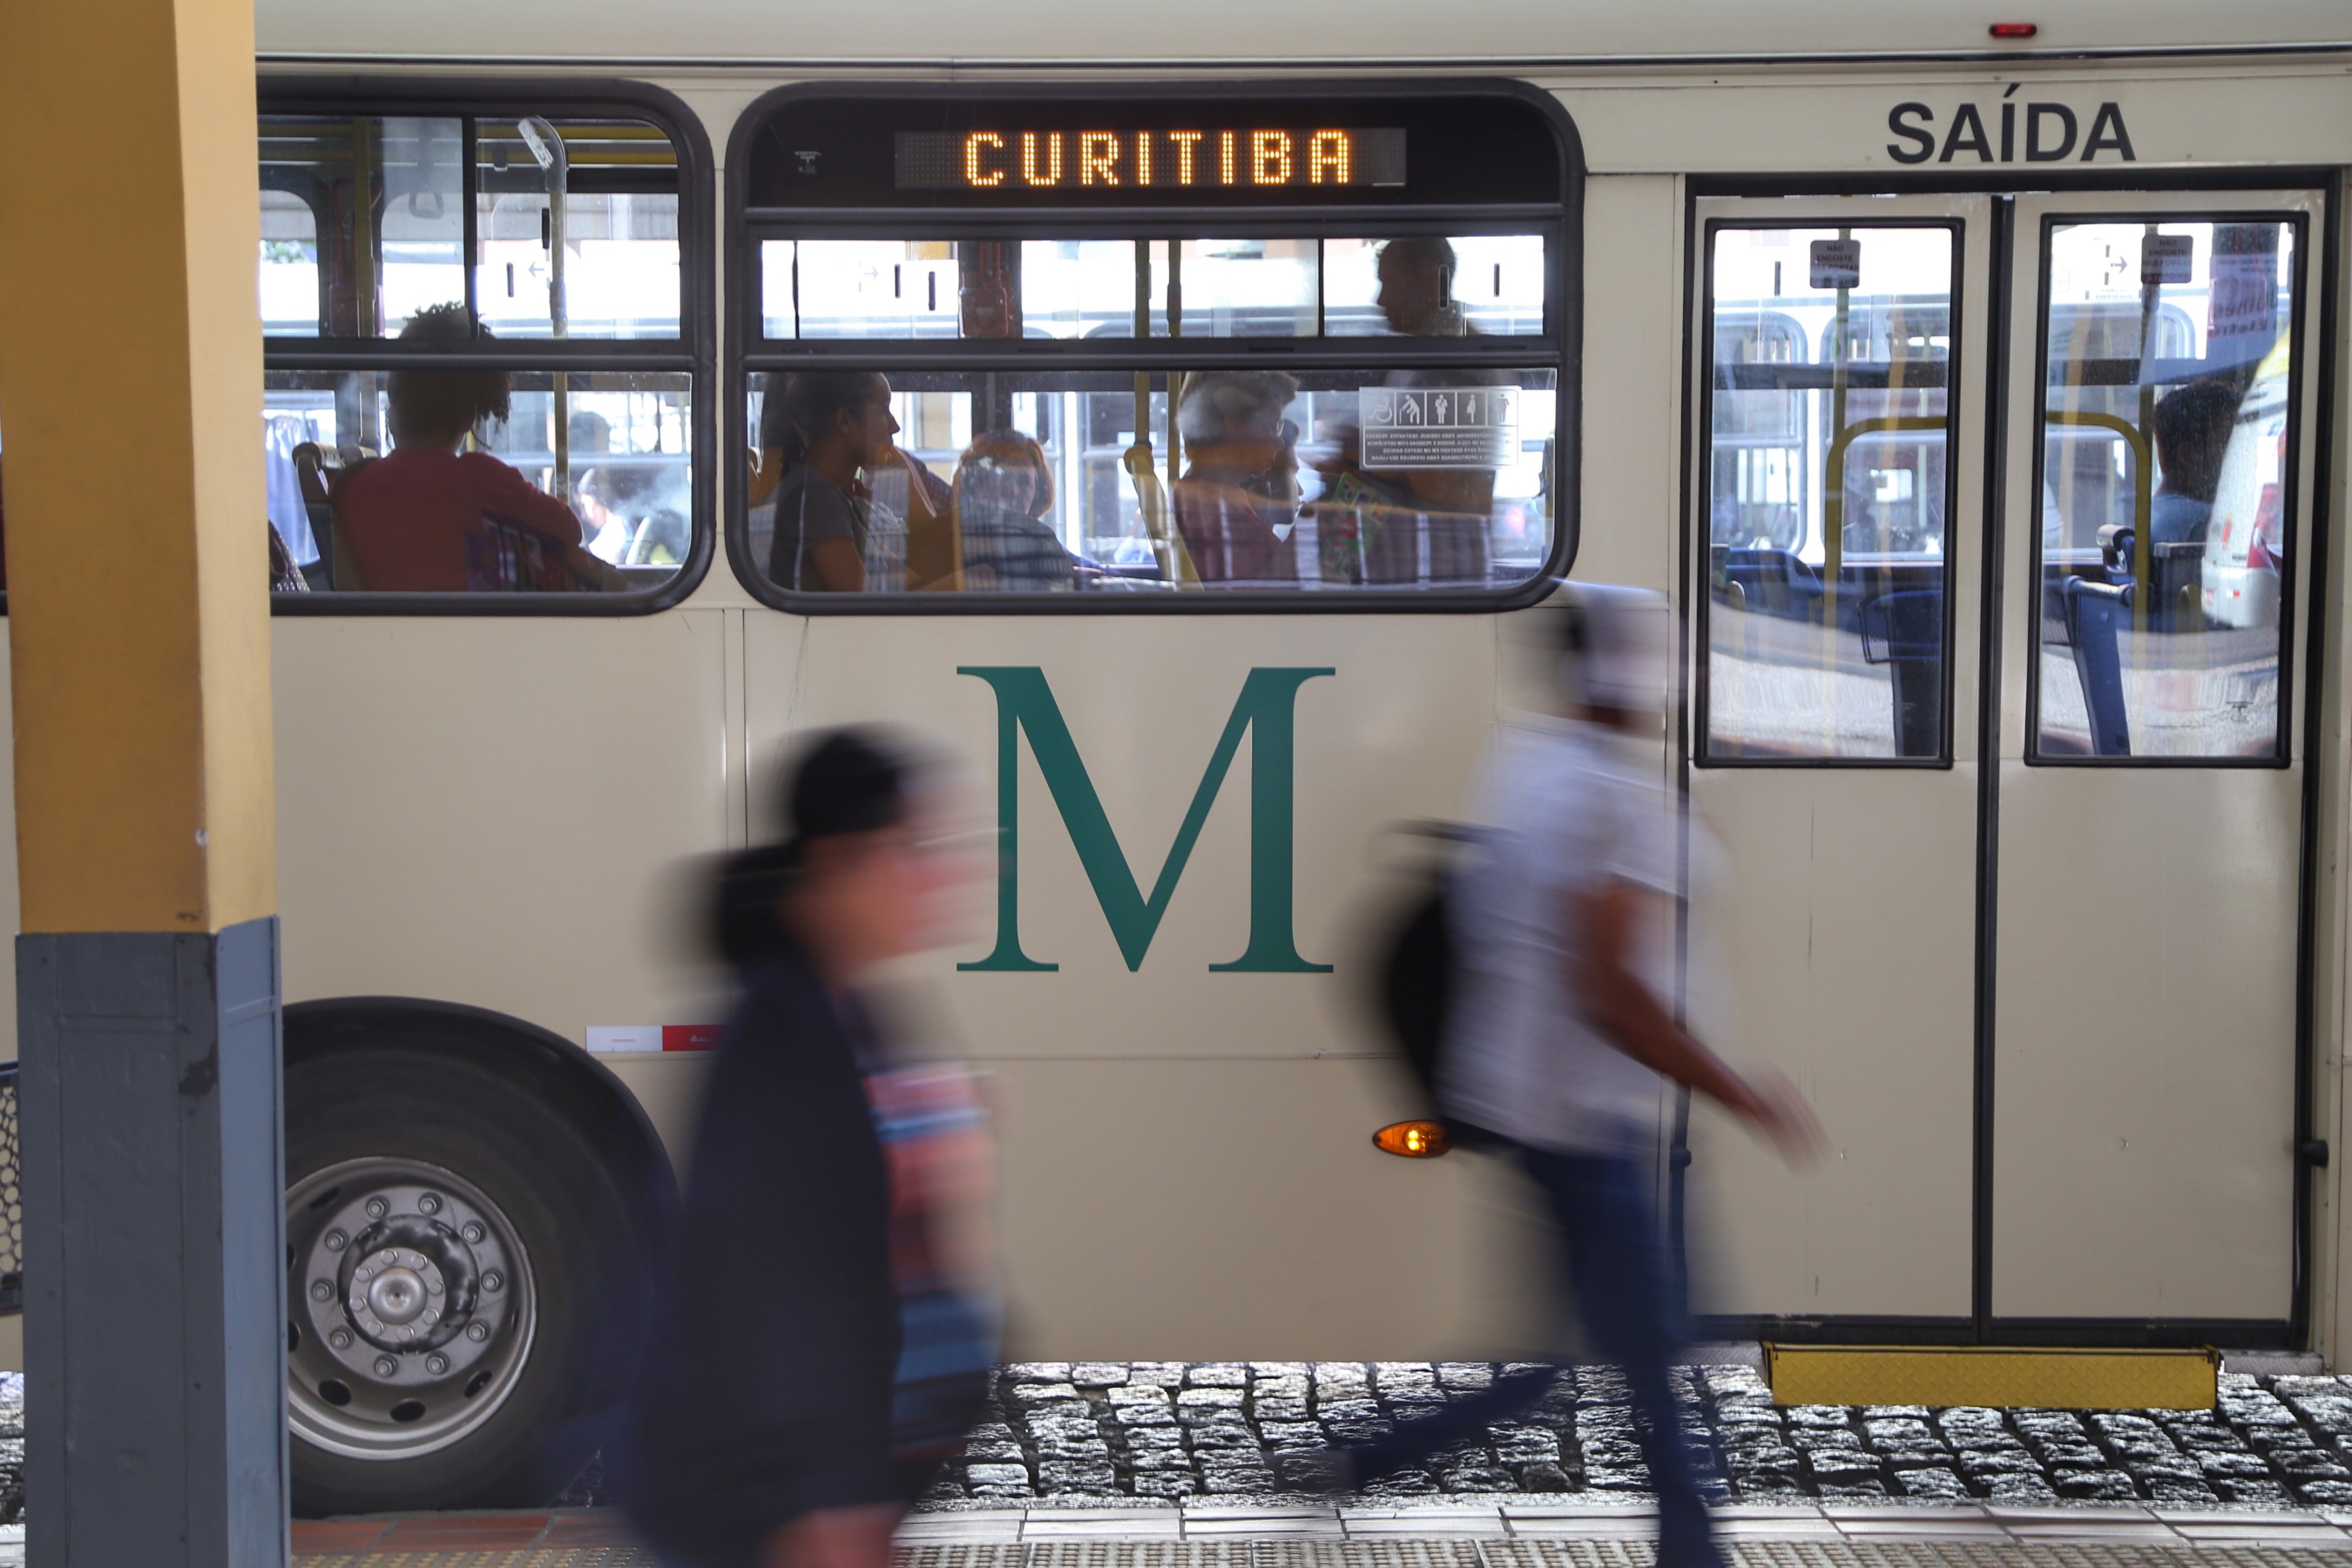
x,y
1568,807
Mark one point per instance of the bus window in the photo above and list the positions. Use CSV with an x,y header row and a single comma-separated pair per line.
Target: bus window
x,y
386,197
1434,287
2164,460
602,262
1263,478
289,265
1072,288
1150,350
408,449
1825,612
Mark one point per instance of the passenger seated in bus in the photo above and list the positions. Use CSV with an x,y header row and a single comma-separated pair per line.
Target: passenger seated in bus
x,y
2190,431
1237,502
1416,293
1004,490
1416,273
427,519
818,432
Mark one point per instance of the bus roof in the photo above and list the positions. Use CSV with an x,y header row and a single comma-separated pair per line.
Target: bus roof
x,y
1225,35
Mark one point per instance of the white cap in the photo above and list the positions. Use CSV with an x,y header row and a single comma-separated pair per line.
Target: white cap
x,y
1615,645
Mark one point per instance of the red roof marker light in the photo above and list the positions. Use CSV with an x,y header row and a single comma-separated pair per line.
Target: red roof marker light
x,y
2014,30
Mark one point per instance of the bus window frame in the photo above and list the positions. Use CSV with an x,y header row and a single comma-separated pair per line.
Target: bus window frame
x,y
693,353
1699,527
2282,753
1559,348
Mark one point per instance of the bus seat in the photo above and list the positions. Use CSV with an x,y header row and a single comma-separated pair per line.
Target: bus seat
x,y
1903,630
2177,580
1774,582
312,473
2176,576
2093,611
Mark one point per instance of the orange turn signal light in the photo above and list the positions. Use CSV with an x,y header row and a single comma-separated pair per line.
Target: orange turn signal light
x,y
1413,1139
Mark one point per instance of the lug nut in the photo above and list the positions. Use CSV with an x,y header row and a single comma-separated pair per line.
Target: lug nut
x,y
322,1289
336,1241
436,1364
473,1233
494,1280
386,1367
477,1332
429,1204
341,1339
377,1209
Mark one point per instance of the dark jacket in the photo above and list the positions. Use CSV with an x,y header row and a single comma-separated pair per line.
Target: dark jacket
x,y
765,1390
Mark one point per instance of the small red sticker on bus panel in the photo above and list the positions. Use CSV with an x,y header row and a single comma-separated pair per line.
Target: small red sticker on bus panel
x,y
608,1039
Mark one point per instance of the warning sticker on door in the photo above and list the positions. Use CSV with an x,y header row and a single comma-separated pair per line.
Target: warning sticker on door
x,y
2167,258
1837,264
1439,427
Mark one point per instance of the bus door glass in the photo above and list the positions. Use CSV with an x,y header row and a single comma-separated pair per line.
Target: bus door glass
x,y
1827,486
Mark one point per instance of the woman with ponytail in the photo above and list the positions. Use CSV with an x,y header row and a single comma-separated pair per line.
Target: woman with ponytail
x,y
821,1345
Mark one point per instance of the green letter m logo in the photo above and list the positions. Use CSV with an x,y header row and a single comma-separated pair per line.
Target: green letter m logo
x,y
1023,701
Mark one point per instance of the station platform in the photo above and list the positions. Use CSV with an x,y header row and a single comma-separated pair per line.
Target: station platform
x,y
1520,1532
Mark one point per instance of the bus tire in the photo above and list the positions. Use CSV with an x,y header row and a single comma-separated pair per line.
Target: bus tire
x,y
463,1271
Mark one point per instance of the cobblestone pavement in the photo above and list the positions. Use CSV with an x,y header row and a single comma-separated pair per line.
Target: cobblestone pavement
x,y
1108,1430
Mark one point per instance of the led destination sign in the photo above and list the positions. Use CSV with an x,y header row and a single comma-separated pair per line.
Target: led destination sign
x,y
1209,159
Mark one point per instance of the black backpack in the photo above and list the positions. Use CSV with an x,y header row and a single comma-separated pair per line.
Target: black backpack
x,y
1419,975
1417,983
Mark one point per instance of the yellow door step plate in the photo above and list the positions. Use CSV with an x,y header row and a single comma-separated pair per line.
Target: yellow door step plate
x,y
1995,1375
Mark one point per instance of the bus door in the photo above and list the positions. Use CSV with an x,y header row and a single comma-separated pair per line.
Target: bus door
x,y
2149,820
1834,582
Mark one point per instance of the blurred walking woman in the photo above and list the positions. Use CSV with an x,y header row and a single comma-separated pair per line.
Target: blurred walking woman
x,y
819,1347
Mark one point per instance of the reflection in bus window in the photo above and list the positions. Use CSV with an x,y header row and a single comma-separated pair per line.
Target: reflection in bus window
x,y
1825,609
289,265
1434,287
387,235
1084,288
601,263
452,473
2163,459
1295,478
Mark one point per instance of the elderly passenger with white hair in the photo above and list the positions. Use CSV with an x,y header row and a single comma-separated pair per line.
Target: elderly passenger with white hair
x,y
1237,502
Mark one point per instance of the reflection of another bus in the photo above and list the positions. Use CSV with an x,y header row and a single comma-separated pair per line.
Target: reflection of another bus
x,y
2244,542
1761,495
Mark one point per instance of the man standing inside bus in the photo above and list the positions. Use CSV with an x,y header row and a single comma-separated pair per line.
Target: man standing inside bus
x,y
1559,1044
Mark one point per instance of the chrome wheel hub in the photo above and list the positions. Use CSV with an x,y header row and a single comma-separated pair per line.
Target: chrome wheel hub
x,y
413,1308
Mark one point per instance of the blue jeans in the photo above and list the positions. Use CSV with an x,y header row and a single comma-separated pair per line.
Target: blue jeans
x,y
1619,1270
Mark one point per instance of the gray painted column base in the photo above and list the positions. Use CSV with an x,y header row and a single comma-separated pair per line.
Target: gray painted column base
x,y
154,1249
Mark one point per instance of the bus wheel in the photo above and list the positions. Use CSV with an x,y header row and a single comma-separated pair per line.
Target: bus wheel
x,y
459,1264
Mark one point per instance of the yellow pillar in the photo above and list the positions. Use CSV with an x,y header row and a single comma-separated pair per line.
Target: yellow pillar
x,y
131,464
148,1024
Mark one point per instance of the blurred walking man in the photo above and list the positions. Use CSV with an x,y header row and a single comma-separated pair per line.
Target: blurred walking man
x,y
1559,1036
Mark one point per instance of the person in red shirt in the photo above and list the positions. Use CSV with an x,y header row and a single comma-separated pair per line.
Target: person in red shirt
x,y
432,518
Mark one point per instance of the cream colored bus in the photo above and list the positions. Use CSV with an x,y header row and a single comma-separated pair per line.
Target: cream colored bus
x,y
1974,389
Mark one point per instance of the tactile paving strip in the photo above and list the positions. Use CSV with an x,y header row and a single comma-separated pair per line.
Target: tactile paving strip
x,y
518,1557
1410,1553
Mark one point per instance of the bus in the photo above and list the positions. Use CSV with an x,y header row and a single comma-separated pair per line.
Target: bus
x,y
1976,398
